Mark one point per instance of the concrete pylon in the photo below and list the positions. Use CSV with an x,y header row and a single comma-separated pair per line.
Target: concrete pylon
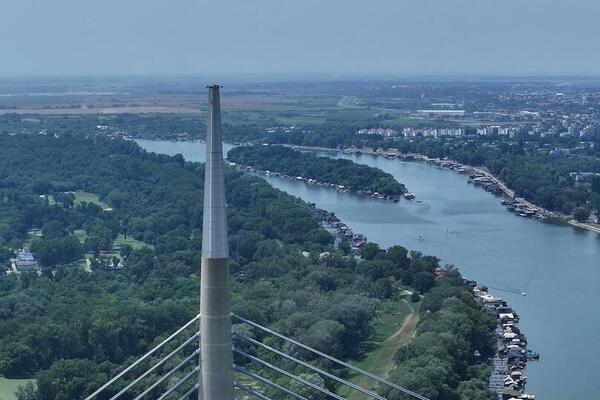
x,y
216,356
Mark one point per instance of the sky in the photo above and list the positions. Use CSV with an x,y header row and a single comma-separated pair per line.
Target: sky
x,y
393,37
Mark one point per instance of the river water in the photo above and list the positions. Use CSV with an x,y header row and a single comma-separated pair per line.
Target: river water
x,y
557,266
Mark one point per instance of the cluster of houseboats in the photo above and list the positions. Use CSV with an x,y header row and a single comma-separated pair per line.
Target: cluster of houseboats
x,y
508,378
522,209
339,229
488,183
339,188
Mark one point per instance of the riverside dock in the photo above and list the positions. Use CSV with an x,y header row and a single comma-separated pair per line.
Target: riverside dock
x,y
508,364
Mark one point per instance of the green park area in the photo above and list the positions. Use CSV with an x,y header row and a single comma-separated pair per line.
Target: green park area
x,y
81,197
8,387
121,241
393,328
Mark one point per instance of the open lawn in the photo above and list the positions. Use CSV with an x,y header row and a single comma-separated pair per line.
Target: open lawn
x,y
80,234
136,244
81,197
392,329
8,387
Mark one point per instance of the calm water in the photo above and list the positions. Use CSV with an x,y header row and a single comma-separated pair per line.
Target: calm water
x,y
558,266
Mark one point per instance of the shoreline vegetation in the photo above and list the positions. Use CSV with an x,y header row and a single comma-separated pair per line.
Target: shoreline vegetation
x,y
341,175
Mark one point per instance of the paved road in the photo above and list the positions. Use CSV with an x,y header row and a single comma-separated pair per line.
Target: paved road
x,y
585,226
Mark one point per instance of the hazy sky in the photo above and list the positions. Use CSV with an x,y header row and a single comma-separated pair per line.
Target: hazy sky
x,y
50,37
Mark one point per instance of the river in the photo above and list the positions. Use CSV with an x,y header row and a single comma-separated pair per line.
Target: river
x,y
557,266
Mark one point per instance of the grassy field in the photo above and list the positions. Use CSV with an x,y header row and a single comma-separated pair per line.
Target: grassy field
x,y
392,329
80,234
120,241
136,244
9,386
81,197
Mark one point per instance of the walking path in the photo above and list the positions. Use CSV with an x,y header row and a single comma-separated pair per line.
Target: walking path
x,y
404,325
380,361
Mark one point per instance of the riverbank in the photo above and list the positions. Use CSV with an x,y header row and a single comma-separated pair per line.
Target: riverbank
x,y
477,176
333,186
587,226
339,229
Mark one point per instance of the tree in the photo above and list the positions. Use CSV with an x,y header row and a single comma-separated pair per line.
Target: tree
x,y
424,281
398,255
308,392
57,250
54,229
67,200
475,389
126,250
581,214
595,186
415,297
327,336
26,392
369,251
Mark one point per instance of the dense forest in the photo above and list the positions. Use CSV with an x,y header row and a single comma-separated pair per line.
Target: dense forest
x,y
72,329
290,162
541,177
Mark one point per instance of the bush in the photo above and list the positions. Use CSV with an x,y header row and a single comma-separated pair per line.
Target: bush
x,y
581,214
415,297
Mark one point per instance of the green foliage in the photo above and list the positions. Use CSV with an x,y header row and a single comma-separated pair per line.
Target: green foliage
x,y
356,177
65,326
439,362
306,391
75,329
67,200
369,251
415,297
57,250
27,392
581,214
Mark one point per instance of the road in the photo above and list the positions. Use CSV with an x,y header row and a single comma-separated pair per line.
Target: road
x,y
582,225
349,102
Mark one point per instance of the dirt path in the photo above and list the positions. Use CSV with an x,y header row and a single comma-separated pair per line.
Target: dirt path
x,y
380,360
404,325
